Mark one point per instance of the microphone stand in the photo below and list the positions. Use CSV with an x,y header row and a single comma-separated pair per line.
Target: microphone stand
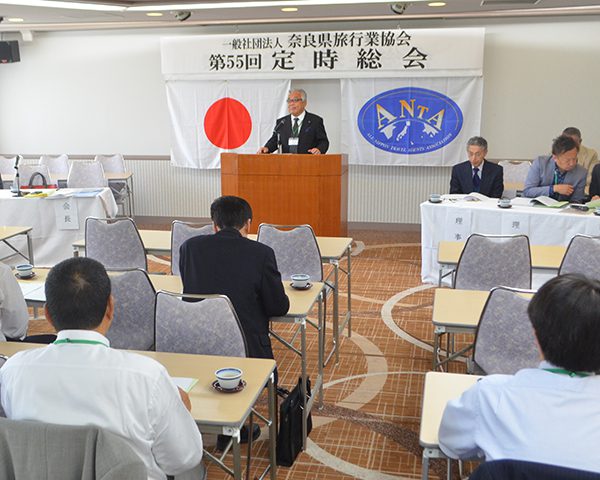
x,y
17,181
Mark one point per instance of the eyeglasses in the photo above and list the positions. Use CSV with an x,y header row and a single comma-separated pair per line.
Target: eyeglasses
x,y
294,100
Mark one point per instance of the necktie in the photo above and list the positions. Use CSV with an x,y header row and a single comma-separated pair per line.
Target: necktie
x,y
476,180
295,128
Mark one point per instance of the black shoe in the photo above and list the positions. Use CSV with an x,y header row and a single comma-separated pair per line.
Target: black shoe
x,y
223,440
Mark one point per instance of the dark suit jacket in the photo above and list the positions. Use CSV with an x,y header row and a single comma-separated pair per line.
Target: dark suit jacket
x,y
595,183
246,271
492,179
312,134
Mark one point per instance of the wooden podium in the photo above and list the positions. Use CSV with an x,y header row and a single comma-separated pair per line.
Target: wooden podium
x,y
291,189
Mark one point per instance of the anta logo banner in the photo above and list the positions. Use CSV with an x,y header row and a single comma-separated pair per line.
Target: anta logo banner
x,y
410,120
427,124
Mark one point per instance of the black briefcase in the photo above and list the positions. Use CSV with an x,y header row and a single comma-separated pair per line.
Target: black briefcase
x,y
289,439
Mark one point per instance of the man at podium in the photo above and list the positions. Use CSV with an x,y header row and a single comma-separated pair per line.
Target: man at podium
x,y
300,131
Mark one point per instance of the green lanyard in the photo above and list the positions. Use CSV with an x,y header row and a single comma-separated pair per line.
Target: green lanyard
x,y
570,373
86,342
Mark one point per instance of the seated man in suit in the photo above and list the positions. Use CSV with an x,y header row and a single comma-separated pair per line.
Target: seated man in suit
x,y
80,380
230,264
477,174
586,157
549,414
300,131
595,183
558,175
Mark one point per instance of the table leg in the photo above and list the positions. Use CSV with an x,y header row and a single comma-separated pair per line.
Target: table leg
x,y
349,278
425,467
321,328
304,377
30,247
131,201
336,311
272,426
237,457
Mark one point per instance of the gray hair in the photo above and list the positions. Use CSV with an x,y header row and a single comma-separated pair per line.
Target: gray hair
x,y
477,142
572,132
299,90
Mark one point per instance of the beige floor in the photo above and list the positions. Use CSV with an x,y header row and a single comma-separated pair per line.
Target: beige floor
x,y
369,425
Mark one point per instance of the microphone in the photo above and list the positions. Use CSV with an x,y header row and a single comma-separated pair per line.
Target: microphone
x,y
279,125
18,158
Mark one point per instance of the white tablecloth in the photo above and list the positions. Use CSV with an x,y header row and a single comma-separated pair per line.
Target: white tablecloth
x,y
51,243
455,221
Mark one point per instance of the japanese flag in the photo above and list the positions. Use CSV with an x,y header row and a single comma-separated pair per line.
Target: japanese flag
x,y
213,116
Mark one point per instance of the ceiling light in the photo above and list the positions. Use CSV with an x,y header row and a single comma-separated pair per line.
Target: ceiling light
x,y
252,4
67,5
436,4
154,14
289,9
15,20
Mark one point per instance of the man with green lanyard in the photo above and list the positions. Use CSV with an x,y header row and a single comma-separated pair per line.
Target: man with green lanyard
x,y
80,380
549,414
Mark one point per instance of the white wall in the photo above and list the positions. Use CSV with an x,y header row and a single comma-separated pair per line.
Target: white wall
x,y
92,92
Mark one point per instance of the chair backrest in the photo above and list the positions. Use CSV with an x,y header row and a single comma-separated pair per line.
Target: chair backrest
x,y
514,174
207,327
56,163
41,450
491,260
7,165
505,339
296,249
115,243
86,175
27,171
582,256
111,163
133,322
521,470
180,232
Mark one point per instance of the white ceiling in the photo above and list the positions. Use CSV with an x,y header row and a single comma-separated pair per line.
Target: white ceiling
x,y
44,18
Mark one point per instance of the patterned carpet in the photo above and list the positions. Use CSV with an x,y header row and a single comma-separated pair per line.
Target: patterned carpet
x,y
368,427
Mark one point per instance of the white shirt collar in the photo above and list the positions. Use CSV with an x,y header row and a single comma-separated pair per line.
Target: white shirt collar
x,y
83,335
299,117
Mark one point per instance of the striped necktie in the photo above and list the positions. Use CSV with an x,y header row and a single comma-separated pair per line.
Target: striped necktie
x,y
295,128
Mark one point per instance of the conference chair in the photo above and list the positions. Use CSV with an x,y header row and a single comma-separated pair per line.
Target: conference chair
x,y
38,173
491,260
116,164
56,163
207,327
31,450
86,175
582,256
505,339
514,174
133,322
522,470
180,232
116,243
7,165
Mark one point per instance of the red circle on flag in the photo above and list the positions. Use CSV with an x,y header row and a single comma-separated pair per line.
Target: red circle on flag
x,y
227,123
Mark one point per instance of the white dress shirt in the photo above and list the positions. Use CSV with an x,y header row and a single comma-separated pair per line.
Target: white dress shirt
x,y
14,317
300,120
93,384
534,415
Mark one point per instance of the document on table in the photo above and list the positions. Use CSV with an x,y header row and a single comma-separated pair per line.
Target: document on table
x,y
33,291
185,383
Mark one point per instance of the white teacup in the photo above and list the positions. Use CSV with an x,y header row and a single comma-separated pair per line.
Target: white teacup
x,y
300,280
24,270
229,377
504,202
435,198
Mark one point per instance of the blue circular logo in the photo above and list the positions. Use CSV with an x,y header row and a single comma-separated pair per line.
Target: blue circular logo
x,y
410,120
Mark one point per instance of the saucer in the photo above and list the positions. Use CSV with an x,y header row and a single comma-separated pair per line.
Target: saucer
x,y
435,201
505,206
308,285
29,277
218,387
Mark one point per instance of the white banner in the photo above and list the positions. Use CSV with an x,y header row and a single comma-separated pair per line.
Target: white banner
x,y
424,121
346,54
210,117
